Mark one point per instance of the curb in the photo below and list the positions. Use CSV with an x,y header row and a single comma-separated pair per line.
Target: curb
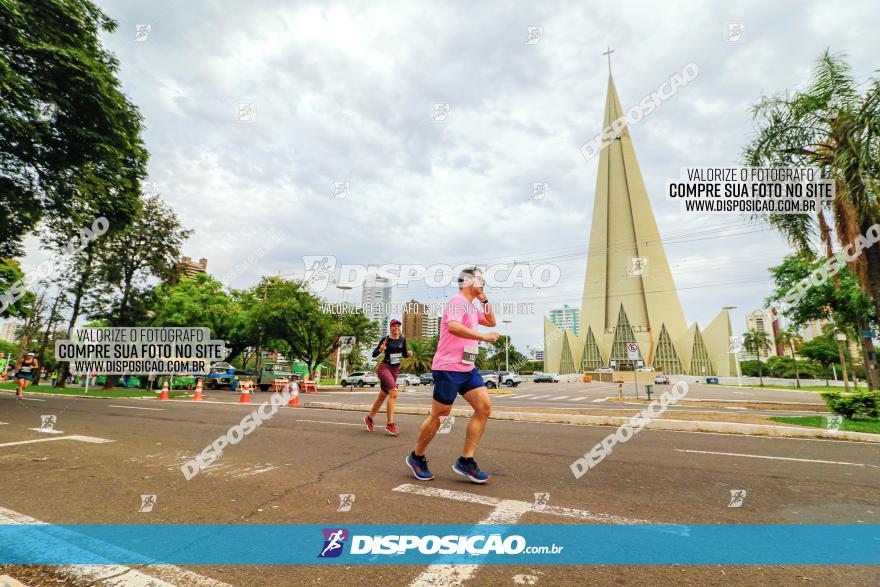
x,y
662,424
725,401
83,396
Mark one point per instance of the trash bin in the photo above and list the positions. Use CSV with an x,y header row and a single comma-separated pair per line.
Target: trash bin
x,y
711,380
650,389
233,385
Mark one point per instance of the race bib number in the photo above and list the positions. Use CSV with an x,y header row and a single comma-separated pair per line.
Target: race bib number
x,y
469,355
394,358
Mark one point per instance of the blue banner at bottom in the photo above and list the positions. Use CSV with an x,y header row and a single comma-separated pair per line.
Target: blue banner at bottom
x,y
542,544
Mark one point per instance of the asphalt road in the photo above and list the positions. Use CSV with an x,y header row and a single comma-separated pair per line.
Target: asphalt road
x,y
293,468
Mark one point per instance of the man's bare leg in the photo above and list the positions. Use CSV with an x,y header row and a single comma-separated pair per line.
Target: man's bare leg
x,y
430,426
482,404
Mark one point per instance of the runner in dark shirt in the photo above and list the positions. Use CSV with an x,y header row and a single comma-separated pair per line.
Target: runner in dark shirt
x,y
393,348
27,368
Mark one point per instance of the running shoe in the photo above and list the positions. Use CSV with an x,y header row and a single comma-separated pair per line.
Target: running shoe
x,y
391,429
419,467
368,422
467,467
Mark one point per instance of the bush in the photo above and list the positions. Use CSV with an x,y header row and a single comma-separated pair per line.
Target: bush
x,y
862,403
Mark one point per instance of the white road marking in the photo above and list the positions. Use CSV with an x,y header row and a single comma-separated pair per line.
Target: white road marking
x,y
506,511
325,422
550,399
526,395
47,430
600,400
137,408
735,454
112,575
33,399
577,399
89,439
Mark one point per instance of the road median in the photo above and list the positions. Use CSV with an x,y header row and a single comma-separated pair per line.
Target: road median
x,y
768,428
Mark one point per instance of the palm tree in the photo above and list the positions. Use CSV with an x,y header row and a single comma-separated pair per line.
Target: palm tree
x,y
423,355
830,125
789,337
756,341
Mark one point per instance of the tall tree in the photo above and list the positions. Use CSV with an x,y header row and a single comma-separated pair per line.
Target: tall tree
x,y
148,247
834,126
69,137
756,341
15,299
290,313
202,301
423,355
790,339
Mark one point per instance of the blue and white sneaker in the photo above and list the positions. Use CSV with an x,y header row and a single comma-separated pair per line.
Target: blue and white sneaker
x,y
467,467
419,466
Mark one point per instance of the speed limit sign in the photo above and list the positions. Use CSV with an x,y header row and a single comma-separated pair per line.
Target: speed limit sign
x,y
632,351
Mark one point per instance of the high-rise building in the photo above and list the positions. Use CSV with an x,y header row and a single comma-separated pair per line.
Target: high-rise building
x,y
419,321
566,318
413,318
7,330
762,321
629,298
188,268
376,300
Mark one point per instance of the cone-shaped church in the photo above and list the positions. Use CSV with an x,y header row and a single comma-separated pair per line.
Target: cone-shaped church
x,y
629,294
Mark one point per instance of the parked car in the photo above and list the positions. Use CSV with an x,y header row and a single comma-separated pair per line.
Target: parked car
x,y
661,380
427,378
359,379
509,378
604,370
407,379
646,369
546,378
490,378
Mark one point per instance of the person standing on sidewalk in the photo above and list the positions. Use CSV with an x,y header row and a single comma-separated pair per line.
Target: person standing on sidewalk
x,y
393,348
455,374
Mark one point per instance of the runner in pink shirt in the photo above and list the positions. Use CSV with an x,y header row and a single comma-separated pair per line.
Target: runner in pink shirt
x,y
455,374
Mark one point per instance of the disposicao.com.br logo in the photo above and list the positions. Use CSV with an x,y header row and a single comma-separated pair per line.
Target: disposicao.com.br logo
x,y
393,544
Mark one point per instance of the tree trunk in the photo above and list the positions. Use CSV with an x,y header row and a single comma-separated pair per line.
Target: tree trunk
x,y
77,303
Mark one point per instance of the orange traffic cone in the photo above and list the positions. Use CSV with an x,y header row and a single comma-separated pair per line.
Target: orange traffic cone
x,y
294,395
164,393
245,397
198,394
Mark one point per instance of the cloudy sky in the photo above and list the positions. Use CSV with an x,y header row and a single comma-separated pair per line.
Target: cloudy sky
x,y
344,92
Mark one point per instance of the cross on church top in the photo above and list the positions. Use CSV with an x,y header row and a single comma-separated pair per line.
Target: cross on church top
x,y
608,52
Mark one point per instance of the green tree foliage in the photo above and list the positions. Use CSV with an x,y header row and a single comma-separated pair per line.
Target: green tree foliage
x,y
202,301
69,138
148,248
11,285
285,310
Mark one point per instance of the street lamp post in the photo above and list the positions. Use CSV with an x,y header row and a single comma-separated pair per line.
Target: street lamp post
x,y
344,289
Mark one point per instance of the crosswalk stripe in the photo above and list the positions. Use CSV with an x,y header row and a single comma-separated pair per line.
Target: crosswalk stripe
x,y
526,395
578,399
555,398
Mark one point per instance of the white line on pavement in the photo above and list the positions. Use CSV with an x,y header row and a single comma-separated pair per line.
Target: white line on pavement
x,y
33,399
600,400
325,422
115,575
47,430
735,454
506,511
76,437
577,399
550,399
137,408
